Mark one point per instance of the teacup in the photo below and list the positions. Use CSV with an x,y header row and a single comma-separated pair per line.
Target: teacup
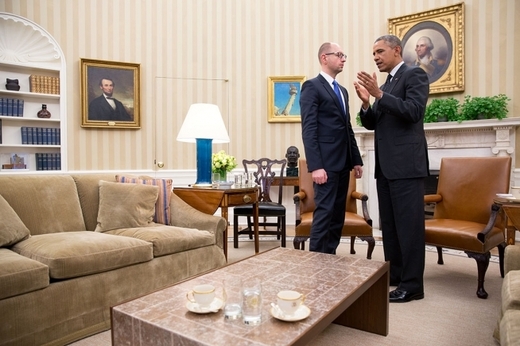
x,y
515,191
289,301
202,295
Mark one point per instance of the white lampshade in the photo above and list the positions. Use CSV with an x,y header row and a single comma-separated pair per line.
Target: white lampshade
x,y
203,121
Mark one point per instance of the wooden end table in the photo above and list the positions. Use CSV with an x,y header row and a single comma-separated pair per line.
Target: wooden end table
x,y
208,200
511,209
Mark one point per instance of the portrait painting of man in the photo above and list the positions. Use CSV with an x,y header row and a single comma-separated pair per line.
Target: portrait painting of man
x,y
110,95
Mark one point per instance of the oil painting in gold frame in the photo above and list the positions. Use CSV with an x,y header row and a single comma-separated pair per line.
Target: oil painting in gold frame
x,y
284,99
443,31
110,94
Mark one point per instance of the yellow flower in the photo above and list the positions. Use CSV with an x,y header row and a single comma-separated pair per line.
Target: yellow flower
x,y
222,162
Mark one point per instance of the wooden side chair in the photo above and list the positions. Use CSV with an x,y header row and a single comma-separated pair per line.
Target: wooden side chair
x,y
264,172
355,225
465,217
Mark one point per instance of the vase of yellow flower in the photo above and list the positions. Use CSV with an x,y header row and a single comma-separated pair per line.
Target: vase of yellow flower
x,y
222,163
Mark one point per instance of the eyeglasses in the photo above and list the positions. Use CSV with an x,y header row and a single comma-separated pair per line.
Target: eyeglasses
x,y
338,54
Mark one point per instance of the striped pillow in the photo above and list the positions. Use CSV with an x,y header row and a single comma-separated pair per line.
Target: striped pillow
x,y
162,206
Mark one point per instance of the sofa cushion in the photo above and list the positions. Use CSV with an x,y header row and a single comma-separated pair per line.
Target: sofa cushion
x,y
125,205
88,192
162,205
12,229
510,328
44,203
511,291
73,254
168,239
19,274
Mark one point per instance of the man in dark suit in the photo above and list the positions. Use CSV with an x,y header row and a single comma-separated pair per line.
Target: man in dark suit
x,y
106,107
401,154
330,147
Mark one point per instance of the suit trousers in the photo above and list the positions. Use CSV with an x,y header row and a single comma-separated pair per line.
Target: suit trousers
x,y
329,215
401,209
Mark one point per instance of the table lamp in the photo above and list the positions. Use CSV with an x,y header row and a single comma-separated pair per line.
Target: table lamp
x,y
203,125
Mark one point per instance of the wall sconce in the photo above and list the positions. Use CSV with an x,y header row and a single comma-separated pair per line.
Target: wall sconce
x,y
203,125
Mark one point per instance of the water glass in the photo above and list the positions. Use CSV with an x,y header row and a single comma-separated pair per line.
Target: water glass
x,y
249,179
238,180
252,301
232,298
215,179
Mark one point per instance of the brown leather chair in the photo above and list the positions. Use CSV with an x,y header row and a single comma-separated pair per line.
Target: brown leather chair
x,y
465,217
355,225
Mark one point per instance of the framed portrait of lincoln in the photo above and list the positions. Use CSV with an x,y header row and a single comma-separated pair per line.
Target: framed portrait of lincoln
x,y
110,94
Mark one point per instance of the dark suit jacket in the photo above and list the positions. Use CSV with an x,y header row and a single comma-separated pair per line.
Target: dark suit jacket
x,y
100,109
398,120
328,138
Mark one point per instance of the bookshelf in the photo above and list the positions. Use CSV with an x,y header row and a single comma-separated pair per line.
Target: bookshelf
x,y
38,64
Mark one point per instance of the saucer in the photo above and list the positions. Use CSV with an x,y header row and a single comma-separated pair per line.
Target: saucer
x,y
215,306
225,184
302,313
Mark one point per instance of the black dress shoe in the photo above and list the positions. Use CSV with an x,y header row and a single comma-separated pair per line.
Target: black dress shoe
x,y
400,296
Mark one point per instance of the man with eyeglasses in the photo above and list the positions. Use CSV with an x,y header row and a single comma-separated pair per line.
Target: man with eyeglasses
x,y
401,153
330,147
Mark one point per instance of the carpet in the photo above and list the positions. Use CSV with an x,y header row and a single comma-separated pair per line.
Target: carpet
x,y
450,314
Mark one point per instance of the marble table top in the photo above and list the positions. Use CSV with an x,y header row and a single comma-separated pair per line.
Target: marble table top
x,y
162,318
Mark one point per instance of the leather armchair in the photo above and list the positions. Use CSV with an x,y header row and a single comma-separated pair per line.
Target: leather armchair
x,y
465,217
355,225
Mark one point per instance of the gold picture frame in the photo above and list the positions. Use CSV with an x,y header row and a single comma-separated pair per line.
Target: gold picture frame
x,y
284,99
110,94
443,28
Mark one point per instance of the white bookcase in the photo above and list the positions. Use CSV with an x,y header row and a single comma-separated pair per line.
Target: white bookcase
x,y
30,50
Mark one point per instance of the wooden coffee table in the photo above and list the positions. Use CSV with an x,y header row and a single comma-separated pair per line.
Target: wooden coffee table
x,y
346,290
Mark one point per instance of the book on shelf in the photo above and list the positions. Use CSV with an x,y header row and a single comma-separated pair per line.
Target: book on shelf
x,y
44,84
40,135
11,107
0,131
48,161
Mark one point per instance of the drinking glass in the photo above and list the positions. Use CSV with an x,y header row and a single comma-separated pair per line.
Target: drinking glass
x,y
238,180
249,179
252,301
215,178
232,298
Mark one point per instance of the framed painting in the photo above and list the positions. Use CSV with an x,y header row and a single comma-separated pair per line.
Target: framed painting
x,y
284,99
434,40
110,95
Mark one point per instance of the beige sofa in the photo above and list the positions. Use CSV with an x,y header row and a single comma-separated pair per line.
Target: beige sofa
x,y
72,246
508,329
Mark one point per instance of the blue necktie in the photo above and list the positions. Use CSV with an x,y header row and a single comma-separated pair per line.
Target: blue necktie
x,y
338,94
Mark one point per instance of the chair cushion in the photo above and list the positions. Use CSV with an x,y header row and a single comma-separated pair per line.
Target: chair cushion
x,y
73,254
12,229
355,225
19,274
162,205
460,235
125,205
264,209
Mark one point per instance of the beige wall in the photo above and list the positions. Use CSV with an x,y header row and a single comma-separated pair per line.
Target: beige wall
x,y
224,50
